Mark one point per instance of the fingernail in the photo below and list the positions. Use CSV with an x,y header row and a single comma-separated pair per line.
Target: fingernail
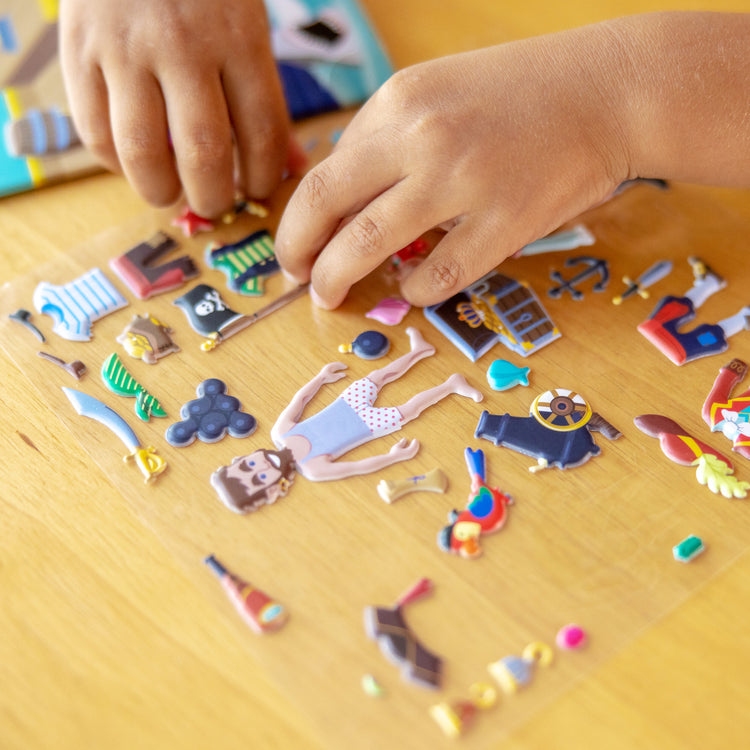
x,y
317,300
289,276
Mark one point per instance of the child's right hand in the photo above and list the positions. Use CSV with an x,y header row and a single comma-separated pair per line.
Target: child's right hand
x,y
502,145
165,91
498,146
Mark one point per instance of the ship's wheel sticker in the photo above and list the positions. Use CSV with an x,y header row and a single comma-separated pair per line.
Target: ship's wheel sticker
x,y
561,410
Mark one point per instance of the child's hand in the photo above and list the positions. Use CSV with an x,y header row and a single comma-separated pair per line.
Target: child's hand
x,y
503,145
198,73
498,146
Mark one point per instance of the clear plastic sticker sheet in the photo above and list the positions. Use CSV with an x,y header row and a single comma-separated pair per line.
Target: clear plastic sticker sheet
x,y
589,544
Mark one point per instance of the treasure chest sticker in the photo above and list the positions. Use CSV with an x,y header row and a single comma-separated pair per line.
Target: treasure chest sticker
x,y
494,309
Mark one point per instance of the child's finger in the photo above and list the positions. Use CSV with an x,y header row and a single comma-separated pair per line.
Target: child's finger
x,y
337,188
391,221
89,107
201,138
467,252
139,129
260,121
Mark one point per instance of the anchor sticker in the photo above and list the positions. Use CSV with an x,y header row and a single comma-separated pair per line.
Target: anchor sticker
x,y
592,267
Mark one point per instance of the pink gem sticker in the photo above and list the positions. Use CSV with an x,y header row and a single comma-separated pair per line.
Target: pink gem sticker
x,y
390,311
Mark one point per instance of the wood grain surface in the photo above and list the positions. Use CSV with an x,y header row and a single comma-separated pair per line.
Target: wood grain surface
x,y
114,633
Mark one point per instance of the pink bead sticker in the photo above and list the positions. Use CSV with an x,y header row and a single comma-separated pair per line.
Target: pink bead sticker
x,y
571,637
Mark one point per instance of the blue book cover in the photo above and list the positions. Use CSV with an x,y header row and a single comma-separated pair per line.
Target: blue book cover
x,y
327,54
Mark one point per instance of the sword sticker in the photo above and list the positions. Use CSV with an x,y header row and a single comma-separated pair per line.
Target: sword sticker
x,y
648,278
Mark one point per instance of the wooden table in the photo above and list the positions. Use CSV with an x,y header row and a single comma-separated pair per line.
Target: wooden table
x,y
107,641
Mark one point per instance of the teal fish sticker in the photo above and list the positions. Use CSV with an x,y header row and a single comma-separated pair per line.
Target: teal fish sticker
x,y
503,375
